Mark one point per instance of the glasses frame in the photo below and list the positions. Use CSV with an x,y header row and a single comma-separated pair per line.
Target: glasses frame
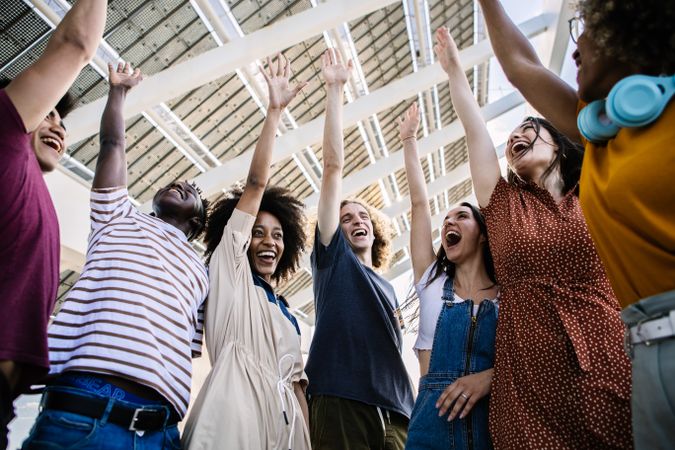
x,y
576,25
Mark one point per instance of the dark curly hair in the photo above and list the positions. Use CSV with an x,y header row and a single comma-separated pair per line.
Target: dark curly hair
x,y
281,204
568,158
639,33
382,231
410,307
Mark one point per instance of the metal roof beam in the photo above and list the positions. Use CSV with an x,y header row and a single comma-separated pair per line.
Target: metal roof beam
x,y
451,133
402,89
215,63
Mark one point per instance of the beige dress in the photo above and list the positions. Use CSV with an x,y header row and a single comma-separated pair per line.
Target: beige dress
x,y
255,357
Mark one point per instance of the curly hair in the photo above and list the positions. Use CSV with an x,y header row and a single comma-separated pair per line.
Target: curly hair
x,y
567,159
382,231
639,33
281,204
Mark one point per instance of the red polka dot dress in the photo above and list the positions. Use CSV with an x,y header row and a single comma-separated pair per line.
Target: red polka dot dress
x,y
562,380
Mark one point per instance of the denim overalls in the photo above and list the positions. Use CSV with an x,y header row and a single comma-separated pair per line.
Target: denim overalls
x,y
463,345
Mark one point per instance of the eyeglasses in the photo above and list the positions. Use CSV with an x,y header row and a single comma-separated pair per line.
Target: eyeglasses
x,y
576,28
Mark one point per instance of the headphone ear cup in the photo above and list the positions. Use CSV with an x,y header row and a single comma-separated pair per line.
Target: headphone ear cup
x,y
594,124
636,101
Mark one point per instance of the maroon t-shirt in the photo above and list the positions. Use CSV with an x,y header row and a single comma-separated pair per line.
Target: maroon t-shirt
x,y
29,245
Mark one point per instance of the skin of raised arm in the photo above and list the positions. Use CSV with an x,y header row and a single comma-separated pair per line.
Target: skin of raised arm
x,y
483,161
545,90
335,76
111,165
36,90
302,400
280,95
421,242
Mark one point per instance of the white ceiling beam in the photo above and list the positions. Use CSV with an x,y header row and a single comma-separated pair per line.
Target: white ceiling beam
x,y
560,34
456,176
558,47
399,90
215,63
357,181
224,28
160,116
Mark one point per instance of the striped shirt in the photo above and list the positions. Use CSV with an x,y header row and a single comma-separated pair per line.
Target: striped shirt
x,y
137,309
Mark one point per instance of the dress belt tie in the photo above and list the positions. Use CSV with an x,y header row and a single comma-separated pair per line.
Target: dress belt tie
x,y
281,389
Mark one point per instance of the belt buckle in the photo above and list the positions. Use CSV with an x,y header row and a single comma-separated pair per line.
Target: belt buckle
x,y
134,419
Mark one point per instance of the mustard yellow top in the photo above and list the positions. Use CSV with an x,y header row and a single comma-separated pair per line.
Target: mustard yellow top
x,y
627,193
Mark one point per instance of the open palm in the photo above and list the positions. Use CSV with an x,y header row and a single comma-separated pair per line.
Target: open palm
x,y
446,49
408,124
279,89
332,68
123,76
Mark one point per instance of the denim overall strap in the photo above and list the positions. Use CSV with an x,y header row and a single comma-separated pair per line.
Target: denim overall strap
x,y
448,351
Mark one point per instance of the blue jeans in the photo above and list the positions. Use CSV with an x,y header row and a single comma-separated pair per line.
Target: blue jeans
x,y
653,396
60,430
463,344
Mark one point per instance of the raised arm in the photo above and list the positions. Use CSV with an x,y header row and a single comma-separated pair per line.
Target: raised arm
x,y
335,75
483,162
280,95
36,90
545,90
111,166
421,242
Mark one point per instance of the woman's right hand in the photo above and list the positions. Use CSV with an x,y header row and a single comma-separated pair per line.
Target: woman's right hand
x,y
446,49
408,124
277,77
332,68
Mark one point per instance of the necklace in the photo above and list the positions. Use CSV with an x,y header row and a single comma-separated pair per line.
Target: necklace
x,y
476,293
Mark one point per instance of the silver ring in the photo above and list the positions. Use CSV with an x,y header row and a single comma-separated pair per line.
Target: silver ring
x,y
466,397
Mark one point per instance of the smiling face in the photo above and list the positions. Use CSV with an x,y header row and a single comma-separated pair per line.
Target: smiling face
x,y
461,236
49,141
357,227
179,200
267,245
528,152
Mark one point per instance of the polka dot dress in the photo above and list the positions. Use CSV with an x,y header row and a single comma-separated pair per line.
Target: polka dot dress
x,y
562,380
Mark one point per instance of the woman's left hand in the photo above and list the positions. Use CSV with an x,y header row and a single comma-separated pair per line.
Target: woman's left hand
x,y
464,393
279,90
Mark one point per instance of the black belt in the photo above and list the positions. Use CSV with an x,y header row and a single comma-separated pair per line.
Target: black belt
x,y
149,418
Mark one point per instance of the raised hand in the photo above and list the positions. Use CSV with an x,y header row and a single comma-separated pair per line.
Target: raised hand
x,y
332,68
408,124
124,77
446,49
279,90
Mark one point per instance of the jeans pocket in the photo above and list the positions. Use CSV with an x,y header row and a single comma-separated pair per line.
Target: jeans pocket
x,y
59,430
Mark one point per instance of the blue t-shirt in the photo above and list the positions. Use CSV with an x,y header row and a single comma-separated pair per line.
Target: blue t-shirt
x,y
356,348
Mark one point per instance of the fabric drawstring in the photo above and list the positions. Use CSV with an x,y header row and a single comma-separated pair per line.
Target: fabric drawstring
x,y
281,389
